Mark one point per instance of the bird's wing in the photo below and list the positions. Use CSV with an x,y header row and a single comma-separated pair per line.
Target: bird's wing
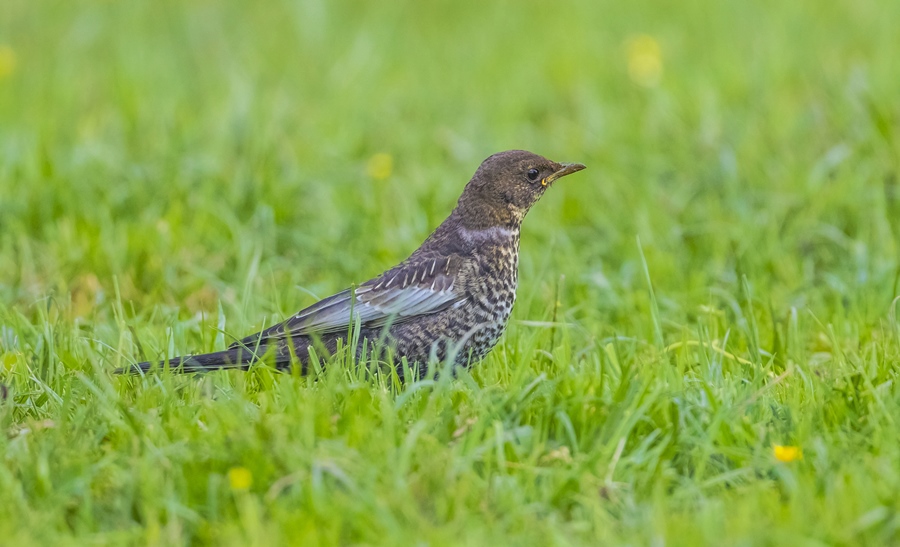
x,y
411,289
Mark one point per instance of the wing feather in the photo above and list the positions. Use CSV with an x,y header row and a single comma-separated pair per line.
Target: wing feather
x,y
399,294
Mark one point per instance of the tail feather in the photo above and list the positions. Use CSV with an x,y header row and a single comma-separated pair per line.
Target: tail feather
x,y
233,358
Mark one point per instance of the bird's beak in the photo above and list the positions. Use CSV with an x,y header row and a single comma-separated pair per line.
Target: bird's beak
x,y
567,169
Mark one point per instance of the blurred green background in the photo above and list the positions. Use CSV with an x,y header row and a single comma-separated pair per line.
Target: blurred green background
x,y
169,169
172,145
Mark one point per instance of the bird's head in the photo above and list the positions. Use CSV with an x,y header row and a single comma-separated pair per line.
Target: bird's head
x,y
506,186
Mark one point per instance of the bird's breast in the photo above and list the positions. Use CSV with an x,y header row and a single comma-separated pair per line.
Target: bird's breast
x,y
491,295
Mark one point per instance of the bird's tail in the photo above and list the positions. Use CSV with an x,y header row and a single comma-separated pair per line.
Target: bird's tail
x,y
232,358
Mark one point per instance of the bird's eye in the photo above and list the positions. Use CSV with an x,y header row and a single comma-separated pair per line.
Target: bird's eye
x,y
533,174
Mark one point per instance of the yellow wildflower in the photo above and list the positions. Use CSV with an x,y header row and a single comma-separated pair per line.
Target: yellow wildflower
x,y
787,454
380,166
240,478
644,60
7,61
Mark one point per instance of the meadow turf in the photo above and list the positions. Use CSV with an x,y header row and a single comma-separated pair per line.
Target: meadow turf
x,y
706,344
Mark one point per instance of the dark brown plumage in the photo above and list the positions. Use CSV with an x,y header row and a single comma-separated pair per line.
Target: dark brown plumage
x,y
450,299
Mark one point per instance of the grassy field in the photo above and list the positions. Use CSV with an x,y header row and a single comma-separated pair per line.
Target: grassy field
x,y
706,345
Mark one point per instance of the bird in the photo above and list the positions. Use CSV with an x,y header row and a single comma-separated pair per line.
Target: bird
x,y
448,302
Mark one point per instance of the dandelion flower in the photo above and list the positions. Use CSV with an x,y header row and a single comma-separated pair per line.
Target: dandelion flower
x,y
240,478
644,60
787,454
7,61
380,166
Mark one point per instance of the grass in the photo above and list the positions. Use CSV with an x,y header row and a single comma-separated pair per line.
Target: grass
x,y
720,282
